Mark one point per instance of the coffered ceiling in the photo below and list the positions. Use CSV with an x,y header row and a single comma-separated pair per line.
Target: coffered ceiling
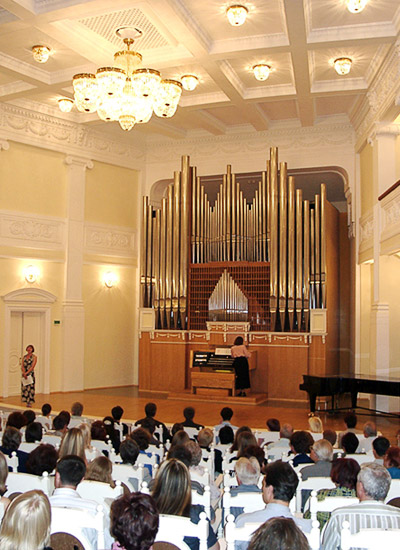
x,y
298,38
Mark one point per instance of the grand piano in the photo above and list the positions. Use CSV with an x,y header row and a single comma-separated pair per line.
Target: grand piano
x,y
346,383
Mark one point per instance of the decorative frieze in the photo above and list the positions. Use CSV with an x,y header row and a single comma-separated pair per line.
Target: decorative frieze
x,y
390,211
31,231
109,240
366,231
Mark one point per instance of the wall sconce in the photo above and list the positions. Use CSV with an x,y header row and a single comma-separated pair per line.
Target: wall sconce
x,y
110,279
31,273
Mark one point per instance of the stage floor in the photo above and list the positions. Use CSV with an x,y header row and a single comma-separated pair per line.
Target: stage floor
x,y
99,403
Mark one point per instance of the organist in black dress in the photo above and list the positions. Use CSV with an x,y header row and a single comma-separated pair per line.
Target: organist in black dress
x,y
241,354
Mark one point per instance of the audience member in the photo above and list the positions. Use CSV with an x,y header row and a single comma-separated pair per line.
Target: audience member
x,y
98,431
330,435
150,410
180,438
350,420
42,459
134,521
100,469
177,427
344,475
256,452
379,447
349,443
237,434
321,454
245,440
90,451
113,435
188,413
273,425
226,435
129,451
10,442
33,432
29,416
44,418
281,446
391,461
73,444
148,425
226,416
16,420
26,523
373,483
279,487
116,413
205,438
315,424
76,415
279,534
300,444
247,472
142,438
369,434
66,415
60,425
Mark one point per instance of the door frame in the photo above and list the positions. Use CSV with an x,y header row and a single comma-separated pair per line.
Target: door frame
x,y
29,300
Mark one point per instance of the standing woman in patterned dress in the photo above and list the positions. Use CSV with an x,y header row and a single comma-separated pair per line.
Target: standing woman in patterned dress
x,y
28,364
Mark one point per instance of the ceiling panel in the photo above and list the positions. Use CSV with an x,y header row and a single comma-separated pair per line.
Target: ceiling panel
x,y
334,105
280,110
333,13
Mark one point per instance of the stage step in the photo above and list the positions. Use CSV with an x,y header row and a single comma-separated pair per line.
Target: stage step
x,y
250,399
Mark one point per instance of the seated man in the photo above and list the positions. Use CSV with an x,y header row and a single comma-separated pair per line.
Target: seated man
x,y
70,471
283,444
226,416
350,420
349,443
76,415
44,418
188,413
129,451
373,483
247,472
300,445
279,487
116,413
379,447
150,411
370,433
321,454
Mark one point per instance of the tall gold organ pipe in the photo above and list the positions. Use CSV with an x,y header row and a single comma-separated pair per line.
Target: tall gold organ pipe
x,y
198,218
318,250
143,254
268,210
274,236
163,251
228,212
323,245
238,230
184,252
256,220
312,259
201,215
282,242
291,251
241,226
193,221
299,257
306,264
156,255
168,259
176,249
233,221
149,279
264,216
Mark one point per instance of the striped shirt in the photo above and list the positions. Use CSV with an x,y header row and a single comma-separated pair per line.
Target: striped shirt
x,y
369,514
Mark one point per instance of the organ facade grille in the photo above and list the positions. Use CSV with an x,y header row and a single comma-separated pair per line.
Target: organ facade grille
x,y
272,248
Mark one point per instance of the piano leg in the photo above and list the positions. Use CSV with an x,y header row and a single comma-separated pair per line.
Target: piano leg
x,y
313,398
354,399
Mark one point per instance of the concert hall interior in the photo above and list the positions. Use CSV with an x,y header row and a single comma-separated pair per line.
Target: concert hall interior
x,y
264,209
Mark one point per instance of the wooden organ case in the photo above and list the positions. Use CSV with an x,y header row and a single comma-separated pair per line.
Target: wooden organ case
x,y
259,269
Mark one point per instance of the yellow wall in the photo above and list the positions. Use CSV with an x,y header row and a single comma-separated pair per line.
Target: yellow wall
x,y
32,180
390,294
111,195
397,158
367,189
365,316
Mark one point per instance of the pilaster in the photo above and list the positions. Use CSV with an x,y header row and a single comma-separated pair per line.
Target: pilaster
x,y
73,309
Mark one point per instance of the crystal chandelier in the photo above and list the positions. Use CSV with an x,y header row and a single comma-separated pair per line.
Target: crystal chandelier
x,y
261,71
355,6
237,14
41,54
126,92
342,65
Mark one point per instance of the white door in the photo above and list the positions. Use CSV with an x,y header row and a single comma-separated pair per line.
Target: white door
x,y
26,329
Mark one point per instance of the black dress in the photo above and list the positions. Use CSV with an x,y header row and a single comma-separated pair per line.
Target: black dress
x,y
241,366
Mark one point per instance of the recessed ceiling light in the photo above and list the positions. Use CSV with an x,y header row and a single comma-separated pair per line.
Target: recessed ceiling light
x,y
189,82
261,71
40,54
342,65
65,105
236,15
355,6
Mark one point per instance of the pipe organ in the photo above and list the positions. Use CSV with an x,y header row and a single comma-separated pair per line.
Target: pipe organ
x,y
262,258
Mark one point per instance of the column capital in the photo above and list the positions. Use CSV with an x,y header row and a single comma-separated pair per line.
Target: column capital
x,y
71,160
381,129
379,307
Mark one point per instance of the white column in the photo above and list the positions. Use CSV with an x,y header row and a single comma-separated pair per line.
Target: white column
x,y
384,176
73,310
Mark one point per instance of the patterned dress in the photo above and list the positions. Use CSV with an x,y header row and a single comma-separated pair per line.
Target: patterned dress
x,y
323,517
28,392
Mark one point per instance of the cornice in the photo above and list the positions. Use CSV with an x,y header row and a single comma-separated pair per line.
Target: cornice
x,y
45,131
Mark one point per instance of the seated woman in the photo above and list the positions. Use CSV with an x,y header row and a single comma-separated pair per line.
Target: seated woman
x,y
42,459
10,442
33,432
33,533
129,451
316,425
134,522
279,534
344,475
90,451
240,430
391,461
205,438
180,438
142,438
172,494
300,444
100,469
73,444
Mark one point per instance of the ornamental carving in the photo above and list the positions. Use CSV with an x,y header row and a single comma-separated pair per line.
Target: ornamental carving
x,y
109,241
31,230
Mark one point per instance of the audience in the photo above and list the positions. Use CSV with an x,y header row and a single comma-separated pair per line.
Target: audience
x,y
60,425
391,461
73,444
279,534
113,435
188,413
226,417
350,420
150,410
90,451
380,445
226,435
300,444
247,472
315,424
42,459
116,413
44,418
180,438
369,432
16,420
281,446
349,443
273,425
98,431
237,435
331,436
10,442
33,432
373,483
3,486
76,415
100,469
129,451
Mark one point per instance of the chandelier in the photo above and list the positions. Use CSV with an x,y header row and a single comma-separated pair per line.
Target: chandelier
x,y
342,65
126,92
356,6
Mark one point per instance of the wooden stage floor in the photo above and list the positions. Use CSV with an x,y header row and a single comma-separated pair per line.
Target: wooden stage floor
x,y
99,402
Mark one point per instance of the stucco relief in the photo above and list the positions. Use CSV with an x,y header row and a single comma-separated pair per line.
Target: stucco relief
x,y
391,215
23,230
105,240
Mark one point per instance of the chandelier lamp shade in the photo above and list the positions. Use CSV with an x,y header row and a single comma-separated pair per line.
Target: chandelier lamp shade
x,y
356,6
65,105
237,14
126,92
261,71
40,54
342,65
189,82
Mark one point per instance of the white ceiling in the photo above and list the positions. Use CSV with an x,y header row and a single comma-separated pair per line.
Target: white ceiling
x,y
298,38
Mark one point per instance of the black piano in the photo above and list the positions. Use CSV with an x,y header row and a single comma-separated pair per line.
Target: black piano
x,y
347,383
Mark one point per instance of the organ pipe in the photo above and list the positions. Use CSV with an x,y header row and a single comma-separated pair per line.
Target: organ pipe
x,y
276,226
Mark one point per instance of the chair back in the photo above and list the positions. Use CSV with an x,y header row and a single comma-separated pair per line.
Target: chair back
x,y
54,440
203,479
361,458
328,504
192,432
146,460
124,472
102,445
12,461
98,491
370,539
250,502
75,520
159,451
204,499
20,483
28,447
312,484
264,436
65,541
394,491
173,529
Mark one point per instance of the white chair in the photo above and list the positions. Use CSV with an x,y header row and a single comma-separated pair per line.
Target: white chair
x,y
329,504
250,502
75,521
394,490
92,453
12,461
102,445
54,440
20,483
204,500
159,451
203,479
192,432
148,460
233,533
361,459
28,447
44,421
124,472
264,436
174,529
311,484
226,461
370,539
98,491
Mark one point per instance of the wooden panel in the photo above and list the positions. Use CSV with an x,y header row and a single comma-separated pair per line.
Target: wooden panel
x,y
144,361
345,308
332,288
317,353
213,380
287,364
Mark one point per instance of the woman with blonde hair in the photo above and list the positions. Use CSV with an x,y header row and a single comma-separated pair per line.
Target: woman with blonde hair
x,y
172,494
73,444
26,523
100,469
90,452
316,425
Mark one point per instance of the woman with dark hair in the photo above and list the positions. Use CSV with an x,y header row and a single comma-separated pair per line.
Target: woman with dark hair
x,y
98,431
279,534
112,433
134,522
240,430
241,354
173,495
42,459
300,444
10,442
344,474
391,461
33,432
180,438
28,364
